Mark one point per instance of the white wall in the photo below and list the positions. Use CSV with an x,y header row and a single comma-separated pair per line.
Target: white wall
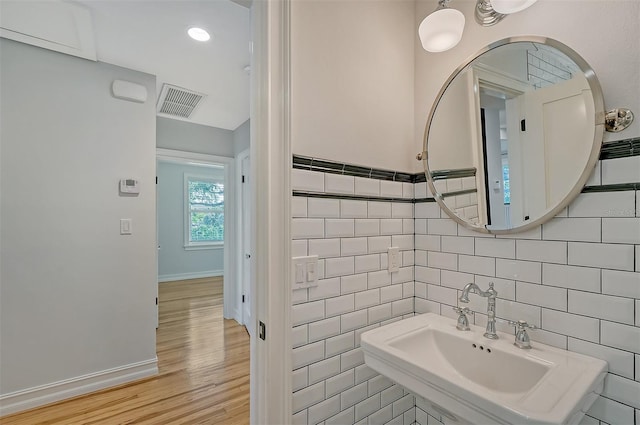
x,y
191,137
174,261
575,275
578,268
77,298
352,81
578,24
451,143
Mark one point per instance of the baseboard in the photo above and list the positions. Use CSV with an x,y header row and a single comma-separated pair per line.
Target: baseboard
x,y
49,393
194,275
237,316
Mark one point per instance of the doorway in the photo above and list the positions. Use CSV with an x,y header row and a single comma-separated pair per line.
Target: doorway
x,y
190,215
186,169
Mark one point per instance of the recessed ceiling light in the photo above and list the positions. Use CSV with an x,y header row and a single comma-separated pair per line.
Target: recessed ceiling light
x,y
198,34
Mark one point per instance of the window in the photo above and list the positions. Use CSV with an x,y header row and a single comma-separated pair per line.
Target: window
x,y
204,211
506,182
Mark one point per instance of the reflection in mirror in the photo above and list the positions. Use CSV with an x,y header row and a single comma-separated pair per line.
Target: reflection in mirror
x,y
513,136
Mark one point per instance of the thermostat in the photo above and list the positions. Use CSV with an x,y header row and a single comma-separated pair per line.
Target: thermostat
x,y
129,186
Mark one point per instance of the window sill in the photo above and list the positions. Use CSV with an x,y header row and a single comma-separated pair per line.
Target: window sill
x,y
219,245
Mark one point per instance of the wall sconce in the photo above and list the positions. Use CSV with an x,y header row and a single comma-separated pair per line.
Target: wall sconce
x,y
442,29
490,12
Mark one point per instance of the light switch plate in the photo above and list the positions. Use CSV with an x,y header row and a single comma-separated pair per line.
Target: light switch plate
x,y
394,259
304,272
126,226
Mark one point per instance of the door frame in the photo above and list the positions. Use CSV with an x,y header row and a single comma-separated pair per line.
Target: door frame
x,y
271,161
241,228
191,158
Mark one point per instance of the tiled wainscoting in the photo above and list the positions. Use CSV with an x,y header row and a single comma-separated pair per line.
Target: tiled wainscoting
x,y
576,276
461,196
331,383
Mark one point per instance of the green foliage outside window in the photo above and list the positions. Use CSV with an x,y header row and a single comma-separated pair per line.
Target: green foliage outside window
x,y
206,211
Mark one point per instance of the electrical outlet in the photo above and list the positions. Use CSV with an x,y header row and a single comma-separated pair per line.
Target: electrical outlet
x,y
394,259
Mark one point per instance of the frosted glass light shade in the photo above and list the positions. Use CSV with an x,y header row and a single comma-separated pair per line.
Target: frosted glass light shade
x,y
510,6
441,30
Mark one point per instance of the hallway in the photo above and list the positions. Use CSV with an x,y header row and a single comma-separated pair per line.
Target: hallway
x,y
203,363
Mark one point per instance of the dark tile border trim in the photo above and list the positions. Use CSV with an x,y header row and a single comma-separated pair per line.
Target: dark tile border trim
x,y
360,197
420,178
610,150
453,174
458,192
313,164
351,197
611,187
620,149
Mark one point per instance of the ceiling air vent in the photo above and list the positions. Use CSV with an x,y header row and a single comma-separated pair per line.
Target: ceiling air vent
x,y
178,102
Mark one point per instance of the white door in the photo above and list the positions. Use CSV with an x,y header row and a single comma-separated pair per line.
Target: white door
x,y
246,244
554,149
515,154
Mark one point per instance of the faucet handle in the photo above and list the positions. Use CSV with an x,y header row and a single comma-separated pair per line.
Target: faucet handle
x,y
463,322
522,325
522,337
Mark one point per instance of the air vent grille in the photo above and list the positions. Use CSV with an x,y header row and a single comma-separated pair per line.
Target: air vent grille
x,y
178,102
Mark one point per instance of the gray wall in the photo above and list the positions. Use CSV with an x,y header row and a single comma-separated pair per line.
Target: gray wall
x,y
76,298
174,261
241,137
190,137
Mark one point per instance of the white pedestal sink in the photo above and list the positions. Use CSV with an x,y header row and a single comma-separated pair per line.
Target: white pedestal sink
x,y
471,379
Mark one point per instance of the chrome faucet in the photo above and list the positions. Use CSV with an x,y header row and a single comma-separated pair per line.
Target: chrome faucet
x,y
490,294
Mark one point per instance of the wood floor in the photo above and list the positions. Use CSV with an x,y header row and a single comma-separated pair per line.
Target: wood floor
x,y
204,370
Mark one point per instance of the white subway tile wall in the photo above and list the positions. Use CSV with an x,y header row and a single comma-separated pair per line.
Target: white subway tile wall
x,y
332,385
621,170
577,277
464,205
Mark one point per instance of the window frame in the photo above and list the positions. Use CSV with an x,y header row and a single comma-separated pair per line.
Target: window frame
x,y
191,245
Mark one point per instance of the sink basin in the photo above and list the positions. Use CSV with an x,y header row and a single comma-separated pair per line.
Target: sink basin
x,y
475,361
470,378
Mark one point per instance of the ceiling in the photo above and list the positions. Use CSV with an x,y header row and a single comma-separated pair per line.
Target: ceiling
x,y
151,36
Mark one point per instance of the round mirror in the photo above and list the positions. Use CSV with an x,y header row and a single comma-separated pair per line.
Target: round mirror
x,y
514,135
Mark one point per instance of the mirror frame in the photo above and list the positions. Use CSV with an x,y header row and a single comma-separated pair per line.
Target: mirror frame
x,y
594,155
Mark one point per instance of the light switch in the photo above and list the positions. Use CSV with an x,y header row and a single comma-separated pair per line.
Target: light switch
x,y
299,273
311,271
304,272
394,259
126,227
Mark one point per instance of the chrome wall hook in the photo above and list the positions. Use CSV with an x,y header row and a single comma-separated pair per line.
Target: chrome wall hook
x,y
618,119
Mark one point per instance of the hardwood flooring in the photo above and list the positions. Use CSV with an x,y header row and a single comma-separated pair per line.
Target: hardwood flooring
x,y
203,377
